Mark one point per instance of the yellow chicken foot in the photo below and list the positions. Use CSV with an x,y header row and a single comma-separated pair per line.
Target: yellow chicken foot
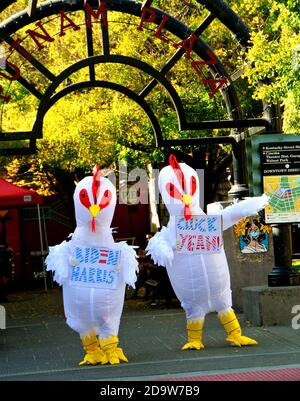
x,y
94,354
194,329
113,353
233,329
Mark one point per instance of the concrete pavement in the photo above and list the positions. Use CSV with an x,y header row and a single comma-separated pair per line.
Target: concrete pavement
x,y
38,345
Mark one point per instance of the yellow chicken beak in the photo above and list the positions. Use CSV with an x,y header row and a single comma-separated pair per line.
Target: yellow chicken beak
x,y
186,199
94,210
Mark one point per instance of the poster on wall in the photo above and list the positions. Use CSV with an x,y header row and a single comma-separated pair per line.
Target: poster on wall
x,y
253,235
281,181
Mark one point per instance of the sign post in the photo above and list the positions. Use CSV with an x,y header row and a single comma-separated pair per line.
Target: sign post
x,y
280,165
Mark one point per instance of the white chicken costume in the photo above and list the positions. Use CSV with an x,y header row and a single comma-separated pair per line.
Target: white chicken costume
x,y
200,281
94,271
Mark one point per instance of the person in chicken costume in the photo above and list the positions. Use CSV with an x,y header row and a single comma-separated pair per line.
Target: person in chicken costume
x,y
93,271
201,282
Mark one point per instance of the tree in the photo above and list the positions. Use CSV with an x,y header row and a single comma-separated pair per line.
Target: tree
x,y
100,125
274,55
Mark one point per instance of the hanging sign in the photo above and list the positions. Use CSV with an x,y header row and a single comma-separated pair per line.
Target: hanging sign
x,y
95,267
199,235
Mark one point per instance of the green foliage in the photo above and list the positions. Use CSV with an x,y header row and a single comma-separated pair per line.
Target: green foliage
x,y
100,125
273,63
29,173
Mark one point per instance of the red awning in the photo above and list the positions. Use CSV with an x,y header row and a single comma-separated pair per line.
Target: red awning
x,y
11,195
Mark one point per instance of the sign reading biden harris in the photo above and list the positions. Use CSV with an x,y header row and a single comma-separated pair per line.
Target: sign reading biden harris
x,y
95,267
199,234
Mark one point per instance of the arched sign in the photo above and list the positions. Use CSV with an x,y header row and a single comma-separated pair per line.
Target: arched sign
x,y
27,35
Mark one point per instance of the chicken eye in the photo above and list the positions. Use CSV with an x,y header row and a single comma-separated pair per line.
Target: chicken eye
x,y
84,198
193,185
82,193
106,198
173,191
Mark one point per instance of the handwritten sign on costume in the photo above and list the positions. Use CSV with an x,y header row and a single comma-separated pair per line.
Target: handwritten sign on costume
x,y
199,235
95,267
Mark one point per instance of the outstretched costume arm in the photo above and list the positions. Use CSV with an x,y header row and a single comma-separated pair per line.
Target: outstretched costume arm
x,y
58,261
160,249
234,213
129,263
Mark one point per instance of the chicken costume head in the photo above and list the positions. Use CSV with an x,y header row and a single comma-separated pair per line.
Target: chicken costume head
x,y
179,187
95,201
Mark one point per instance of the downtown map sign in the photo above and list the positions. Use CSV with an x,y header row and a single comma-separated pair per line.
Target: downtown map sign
x,y
280,164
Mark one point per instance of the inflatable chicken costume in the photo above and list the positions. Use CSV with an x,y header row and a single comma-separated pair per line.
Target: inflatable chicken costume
x,y
94,271
201,281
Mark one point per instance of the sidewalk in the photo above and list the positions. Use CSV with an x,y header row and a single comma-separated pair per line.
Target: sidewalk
x,y
38,345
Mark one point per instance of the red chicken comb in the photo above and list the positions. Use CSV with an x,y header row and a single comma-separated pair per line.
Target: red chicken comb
x,y
96,181
177,170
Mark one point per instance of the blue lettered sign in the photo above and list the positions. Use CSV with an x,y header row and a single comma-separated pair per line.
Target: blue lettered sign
x,y
199,234
95,267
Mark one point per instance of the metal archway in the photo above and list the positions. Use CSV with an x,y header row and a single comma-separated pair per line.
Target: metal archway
x,y
173,26
107,85
218,9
